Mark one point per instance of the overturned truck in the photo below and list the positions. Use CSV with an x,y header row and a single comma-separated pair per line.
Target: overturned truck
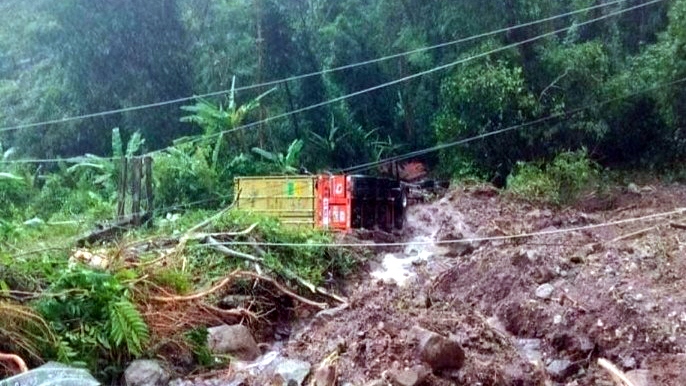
x,y
329,202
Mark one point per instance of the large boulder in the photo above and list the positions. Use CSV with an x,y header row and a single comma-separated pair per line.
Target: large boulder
x,y
293,371
146,373
439,352
235,340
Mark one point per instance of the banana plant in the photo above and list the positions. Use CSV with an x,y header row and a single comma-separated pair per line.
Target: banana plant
x,y
107,169
216,119
286,163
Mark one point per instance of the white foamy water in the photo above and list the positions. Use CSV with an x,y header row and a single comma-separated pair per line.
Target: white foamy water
x,y
398,268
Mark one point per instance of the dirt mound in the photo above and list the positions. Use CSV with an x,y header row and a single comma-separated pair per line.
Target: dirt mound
x,y
530,310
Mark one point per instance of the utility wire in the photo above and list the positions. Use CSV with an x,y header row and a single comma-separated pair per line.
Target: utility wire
x,y
367,90
423,73
370,165
461,241
308,75
366,166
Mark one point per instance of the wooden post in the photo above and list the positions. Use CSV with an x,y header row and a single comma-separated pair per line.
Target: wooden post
x,y
136,166
121,189
149,195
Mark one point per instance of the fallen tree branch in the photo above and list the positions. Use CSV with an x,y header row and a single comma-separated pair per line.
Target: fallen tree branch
x,y
633,234
321,306
16,359
230,252
331,312
237,312
232,234
313,288
619,377
198,295
208,221
189,234
677,225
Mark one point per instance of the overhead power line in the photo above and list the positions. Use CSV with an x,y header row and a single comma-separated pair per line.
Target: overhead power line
x,y
678,211
308,75
418,153
423,73
373,88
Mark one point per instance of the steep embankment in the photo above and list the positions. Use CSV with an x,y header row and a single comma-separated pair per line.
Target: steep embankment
x,y
526,310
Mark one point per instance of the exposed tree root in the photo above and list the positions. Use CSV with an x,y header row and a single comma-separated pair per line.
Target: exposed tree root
x,y
286,291
198,295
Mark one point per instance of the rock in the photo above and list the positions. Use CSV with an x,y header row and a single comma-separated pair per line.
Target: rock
x,y
233,340
629,362
325,376
235,301
376,382
460,249
530,349
146,373
439,352
293,371
640,377
633,188
559,369
412,377
523,258
545,291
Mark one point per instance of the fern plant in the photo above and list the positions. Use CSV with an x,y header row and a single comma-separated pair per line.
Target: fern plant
x,y
96,322
127,327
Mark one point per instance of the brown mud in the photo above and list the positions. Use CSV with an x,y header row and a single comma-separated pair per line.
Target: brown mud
x,y
538,310
623,299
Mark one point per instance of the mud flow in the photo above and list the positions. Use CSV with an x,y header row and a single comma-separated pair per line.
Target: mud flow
x,y
538,310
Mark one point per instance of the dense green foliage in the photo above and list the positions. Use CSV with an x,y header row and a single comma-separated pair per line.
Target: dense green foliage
x,y
605,86
562,181
139,52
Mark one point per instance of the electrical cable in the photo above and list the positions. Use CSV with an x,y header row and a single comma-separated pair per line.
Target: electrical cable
x,y
417,153
423,73
367,90
459,241
307,75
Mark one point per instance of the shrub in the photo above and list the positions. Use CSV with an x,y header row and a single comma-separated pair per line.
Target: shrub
x,y
560,182
95,320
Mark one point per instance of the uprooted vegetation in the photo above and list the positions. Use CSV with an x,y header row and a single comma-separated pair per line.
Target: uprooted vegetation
x,y
153,296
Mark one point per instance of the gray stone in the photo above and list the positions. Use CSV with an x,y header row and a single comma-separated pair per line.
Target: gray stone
x,y
460,249
325,376
439,352
293,371
545,291
146,373
530,349
412,377
629,362
559,369
235,340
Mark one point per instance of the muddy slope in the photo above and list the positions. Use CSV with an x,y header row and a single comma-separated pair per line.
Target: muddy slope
x,y
537,310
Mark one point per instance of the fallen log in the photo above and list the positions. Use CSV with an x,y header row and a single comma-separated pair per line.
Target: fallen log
x,y
112,231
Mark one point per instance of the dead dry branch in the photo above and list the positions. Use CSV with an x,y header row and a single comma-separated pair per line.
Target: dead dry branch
x,y
617,376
